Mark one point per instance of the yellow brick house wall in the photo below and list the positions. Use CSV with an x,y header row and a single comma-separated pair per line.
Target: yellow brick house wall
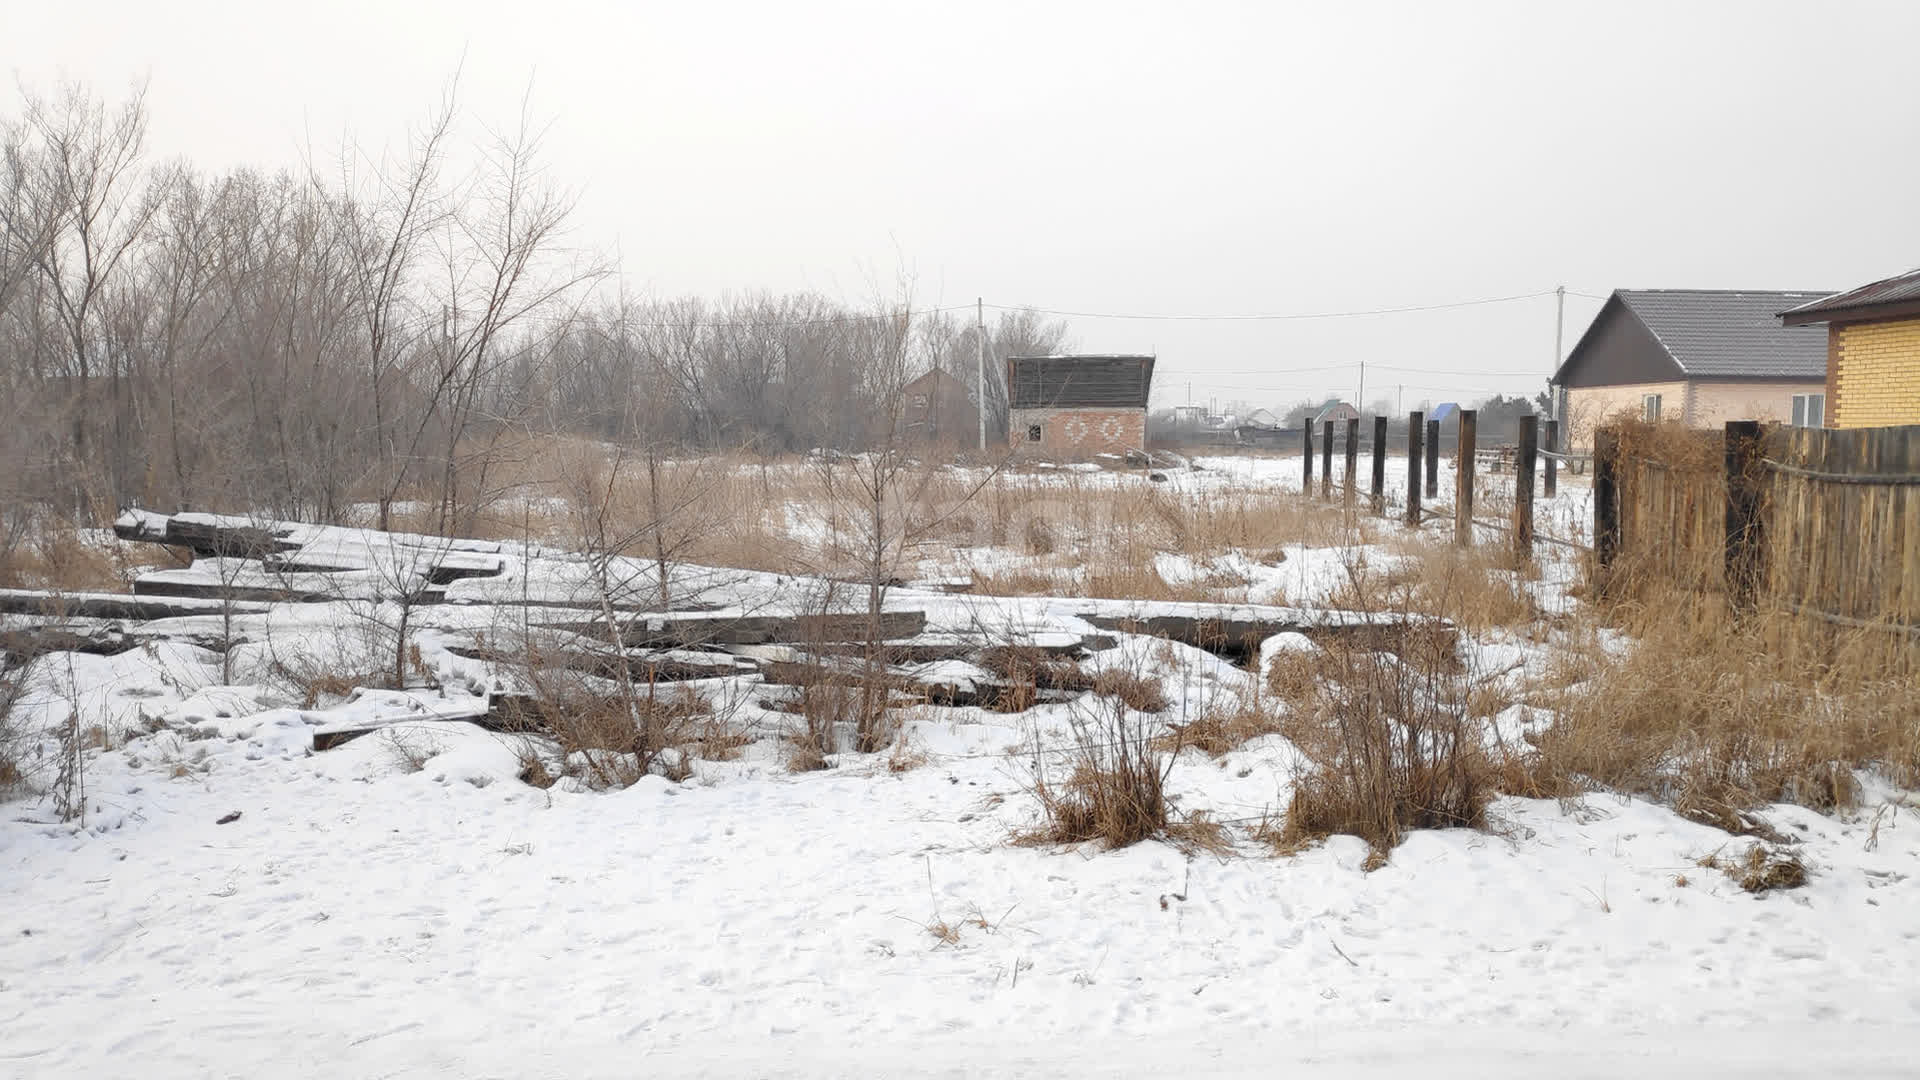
x,y
1876,377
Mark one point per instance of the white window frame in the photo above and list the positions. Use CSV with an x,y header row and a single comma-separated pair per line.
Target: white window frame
x,y
1650,408
1810,410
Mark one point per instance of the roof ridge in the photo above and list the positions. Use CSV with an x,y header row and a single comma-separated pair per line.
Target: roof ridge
x,y
1733,292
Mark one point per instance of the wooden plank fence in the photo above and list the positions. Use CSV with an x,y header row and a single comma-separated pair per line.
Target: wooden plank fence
x,y
1818,521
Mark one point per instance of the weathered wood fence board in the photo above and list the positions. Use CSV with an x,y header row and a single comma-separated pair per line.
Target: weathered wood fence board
x,y
1821,521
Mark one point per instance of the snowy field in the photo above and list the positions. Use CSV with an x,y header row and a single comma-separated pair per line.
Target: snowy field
x,y
237,904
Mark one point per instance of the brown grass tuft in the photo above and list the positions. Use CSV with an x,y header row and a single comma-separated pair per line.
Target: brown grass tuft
x,y
1141,692
1115,790
1221,728
1389,750
1761,868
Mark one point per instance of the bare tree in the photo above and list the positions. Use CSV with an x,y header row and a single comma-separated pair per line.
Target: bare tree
x,y
91,160
494,250
385,231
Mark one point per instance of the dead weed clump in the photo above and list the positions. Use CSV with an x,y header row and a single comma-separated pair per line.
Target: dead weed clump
x,y
1025,672
1389,748
1114,792
824,706
608,741
1225,726
1133,690
1761,869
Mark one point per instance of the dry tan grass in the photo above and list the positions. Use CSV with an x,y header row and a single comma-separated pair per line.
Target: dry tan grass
x,y
1390,749
1136,691
1115,790
1718,717
1224,727
55,557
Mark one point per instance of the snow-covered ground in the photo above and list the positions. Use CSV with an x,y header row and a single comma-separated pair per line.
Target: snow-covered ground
x,y
363,919
404,905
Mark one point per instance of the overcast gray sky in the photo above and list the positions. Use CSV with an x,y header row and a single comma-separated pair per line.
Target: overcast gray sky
x,y
1189,158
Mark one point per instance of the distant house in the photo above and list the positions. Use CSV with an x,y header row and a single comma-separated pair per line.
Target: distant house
x,y
1337,411
1697,356
1078,406
1872,352
938,408
1189,416
1259,428
1444,412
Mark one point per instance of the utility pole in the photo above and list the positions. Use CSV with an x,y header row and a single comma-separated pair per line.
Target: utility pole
x,y
980,389
1360,396
1399,397
1554,408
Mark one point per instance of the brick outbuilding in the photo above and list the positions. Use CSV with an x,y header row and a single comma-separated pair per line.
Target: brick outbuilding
x,y
1078,406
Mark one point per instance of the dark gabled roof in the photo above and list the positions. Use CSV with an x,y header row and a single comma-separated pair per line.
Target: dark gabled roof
x,y
1723,333
1868,300
936,375
1106,381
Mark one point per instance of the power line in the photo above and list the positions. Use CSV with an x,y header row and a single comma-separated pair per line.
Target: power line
x,y
829,320
1280,317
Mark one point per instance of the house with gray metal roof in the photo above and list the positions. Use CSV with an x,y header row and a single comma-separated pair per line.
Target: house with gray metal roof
x,y
1873,351
1698,357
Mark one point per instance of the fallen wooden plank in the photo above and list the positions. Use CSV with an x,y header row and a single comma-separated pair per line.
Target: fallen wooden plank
x,y
662,630
480,712
950,683
641,667
113,605
22,644
155,584
1235,632
927,648
203,534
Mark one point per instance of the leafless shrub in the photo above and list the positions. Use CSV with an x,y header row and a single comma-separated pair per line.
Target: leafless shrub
x,y
1390,748
1114,791
534,770
15,743
409,748
610,741
825,705
906,755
